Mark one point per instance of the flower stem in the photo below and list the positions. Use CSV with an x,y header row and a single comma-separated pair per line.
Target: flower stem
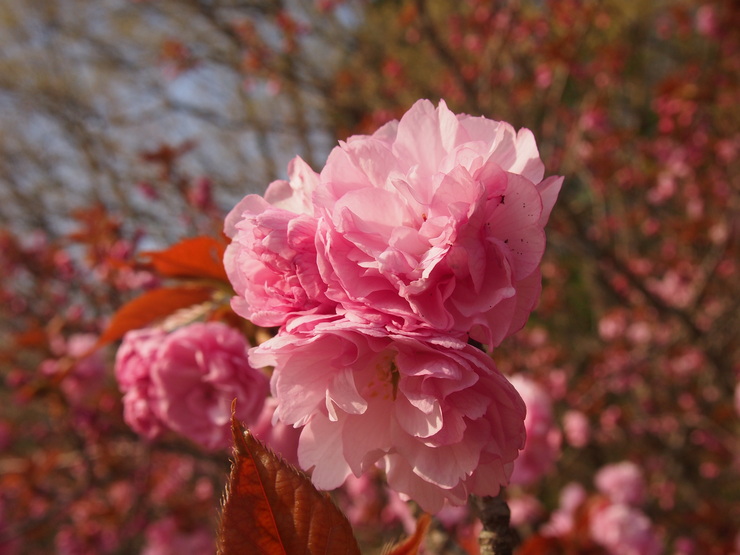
x,y
496,538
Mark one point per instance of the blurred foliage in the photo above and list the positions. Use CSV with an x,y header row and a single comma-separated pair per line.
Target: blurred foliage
x,y
128,124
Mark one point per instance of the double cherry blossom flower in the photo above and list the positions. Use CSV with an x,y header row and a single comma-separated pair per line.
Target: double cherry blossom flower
x,y
411,244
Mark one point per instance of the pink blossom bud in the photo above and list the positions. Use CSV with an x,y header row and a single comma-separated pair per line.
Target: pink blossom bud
x,y
622,483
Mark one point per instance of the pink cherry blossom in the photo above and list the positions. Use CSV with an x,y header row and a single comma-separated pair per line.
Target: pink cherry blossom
x,y
135,360
271,261
436,222
542,447
577,428
84,378
562,520
624,530
435,414
622,483
525,509
433,222
186,380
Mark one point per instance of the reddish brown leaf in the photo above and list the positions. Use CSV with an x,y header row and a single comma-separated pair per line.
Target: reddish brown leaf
x,y
150,307
196,257
271,508
411,545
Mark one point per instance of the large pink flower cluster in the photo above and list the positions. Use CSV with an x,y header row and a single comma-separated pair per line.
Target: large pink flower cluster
x,y
410,243
186,380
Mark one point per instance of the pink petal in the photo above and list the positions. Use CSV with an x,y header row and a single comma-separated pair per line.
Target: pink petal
x,y
321,447
342,393
549,190
418,422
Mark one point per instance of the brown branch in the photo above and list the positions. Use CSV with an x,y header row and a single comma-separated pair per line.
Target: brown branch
x,y
497,537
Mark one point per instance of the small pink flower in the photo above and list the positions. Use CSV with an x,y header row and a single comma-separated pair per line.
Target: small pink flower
x,y
271,261
525,509
622,483
200,194
577,428
624,530
436,415
135,360
542,447
562,520
706,21
186,380
436,222
84,379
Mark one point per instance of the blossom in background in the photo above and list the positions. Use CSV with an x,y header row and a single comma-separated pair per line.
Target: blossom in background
x,y
624,530
135,360
167,537
622,483
562,520
543,437
613,518
525,509
83,369
577,428
379,269
436,415
186,380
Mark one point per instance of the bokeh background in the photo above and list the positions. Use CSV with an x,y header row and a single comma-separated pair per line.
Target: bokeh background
x,y
127,125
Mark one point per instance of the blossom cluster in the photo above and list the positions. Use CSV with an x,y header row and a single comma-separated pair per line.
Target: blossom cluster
x,y
615,520
383,272
185,381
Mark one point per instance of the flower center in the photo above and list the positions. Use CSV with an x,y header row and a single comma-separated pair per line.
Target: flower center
x,y
384,381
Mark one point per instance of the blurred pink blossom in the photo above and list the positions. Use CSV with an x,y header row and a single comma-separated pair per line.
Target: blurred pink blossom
x,y
706,21
562,520
135,360
362,499
452,516
166,537
624,530
622,482
577,428
84,369
525,509
542,447
613,325
436,414
200,194
186,380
